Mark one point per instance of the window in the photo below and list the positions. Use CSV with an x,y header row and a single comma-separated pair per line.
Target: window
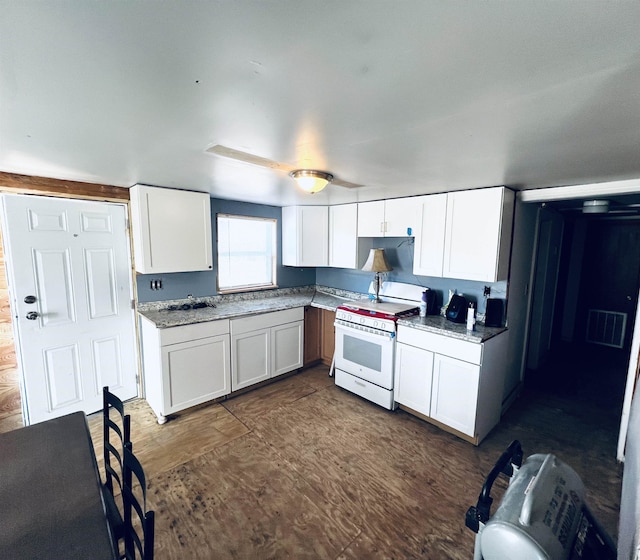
x,y
246,253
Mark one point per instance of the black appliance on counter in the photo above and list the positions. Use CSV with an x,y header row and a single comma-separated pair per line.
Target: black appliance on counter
x,y
457,309
432,304
494,313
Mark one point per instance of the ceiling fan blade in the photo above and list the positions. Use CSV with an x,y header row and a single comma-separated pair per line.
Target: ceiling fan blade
x,y
345,184
245,157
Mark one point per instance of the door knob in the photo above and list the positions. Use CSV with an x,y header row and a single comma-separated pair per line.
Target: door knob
x,y
30,299
32,315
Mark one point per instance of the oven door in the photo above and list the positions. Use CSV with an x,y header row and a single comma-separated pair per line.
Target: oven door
x,y
366,353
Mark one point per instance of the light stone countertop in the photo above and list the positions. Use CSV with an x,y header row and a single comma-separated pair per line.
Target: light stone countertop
x,y
439,325
253,303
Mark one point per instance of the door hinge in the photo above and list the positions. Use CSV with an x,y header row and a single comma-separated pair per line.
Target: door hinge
x,y
133,304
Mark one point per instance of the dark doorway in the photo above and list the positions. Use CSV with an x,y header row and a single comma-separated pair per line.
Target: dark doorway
x,y
599,270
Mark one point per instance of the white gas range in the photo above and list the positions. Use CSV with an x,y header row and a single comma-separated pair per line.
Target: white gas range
x,y
366,338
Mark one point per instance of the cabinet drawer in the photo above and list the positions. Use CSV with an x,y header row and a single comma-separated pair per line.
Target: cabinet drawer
x,y
185,333
461,349
266,320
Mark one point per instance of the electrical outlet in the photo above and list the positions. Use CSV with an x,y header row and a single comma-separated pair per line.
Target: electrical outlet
x,y
487,291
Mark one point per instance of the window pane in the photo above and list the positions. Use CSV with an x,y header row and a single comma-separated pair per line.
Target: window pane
x,y
246,252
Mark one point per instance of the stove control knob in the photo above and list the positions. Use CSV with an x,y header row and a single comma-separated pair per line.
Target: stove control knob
x,y
362,320
375,324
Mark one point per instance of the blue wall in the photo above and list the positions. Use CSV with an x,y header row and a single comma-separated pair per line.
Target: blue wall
x,y
179,285
398,250
399,254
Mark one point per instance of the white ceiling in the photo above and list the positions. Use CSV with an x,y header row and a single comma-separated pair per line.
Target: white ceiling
x,y
404,97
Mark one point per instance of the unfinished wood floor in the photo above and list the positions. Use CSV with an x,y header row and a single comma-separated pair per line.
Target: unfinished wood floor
x,y
302,469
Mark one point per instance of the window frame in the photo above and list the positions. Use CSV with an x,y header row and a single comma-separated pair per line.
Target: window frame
x,y
274,254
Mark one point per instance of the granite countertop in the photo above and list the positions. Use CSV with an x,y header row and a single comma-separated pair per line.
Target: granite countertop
x,y
253,303
231,307
440,325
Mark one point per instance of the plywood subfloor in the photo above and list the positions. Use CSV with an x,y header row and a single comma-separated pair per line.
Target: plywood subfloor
x,y
302,469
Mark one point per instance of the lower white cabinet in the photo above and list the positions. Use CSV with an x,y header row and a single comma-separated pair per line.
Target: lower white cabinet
x,y
455,383
265,346
414,371
185,365
455,393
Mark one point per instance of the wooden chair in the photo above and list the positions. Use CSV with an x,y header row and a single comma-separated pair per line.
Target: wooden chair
x,y
139,530
116,434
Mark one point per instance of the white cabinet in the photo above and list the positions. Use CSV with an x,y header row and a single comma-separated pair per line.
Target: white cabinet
x,y
414,371
171,230
478,235
429,243
305,236
343,236
465,234
454,383
185,365
455,393
396,217
371,219
267,345
287,347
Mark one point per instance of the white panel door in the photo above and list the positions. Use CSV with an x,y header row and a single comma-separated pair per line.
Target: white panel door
x,y
250,358
454,399
343,236
69,269
429,246
414,373
286,347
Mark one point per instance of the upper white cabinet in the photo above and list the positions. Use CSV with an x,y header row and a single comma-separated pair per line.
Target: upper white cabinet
x,y
343,236
305,236
465,234
429,244
171,230
396,217
478,234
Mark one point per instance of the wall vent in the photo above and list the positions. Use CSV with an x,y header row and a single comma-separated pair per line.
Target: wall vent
x,y
606,327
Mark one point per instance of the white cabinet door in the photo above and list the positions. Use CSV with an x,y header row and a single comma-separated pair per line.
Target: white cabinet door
x,y
343,236
455,393
305,236
185,365
266,345
414,373
371,219
478,234
401,217
396,217
171,230
195,372
287,347
430,234
250,358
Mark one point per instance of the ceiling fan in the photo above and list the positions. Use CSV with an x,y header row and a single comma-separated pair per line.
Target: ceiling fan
x,y
245,157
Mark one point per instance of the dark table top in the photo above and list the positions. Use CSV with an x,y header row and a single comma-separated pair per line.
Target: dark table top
x,y
50,500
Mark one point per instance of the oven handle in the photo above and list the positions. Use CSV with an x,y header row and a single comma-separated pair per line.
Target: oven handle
x,y
347,326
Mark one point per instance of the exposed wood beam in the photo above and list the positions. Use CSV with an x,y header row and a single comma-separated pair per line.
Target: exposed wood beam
x,y
13,182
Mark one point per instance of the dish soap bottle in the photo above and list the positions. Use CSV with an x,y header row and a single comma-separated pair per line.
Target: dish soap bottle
x,y
423,304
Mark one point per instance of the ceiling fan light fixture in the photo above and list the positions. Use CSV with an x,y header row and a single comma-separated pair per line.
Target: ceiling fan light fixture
x,y
595,207
310,180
